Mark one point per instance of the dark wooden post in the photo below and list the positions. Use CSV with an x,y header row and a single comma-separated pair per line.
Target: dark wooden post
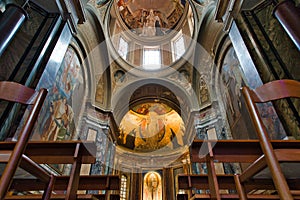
x,y
288,16
10,21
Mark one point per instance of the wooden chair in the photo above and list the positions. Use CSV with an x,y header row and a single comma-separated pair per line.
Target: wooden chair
x,y
261,154
63,152
234,151
274,90
14,92
28,155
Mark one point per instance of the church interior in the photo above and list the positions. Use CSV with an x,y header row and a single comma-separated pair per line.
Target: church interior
x,y
149,99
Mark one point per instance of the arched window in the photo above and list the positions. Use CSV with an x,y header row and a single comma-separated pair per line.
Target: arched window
x,y
178,46
123,48
123,190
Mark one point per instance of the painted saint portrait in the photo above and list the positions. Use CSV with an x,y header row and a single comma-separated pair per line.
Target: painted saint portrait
x,y
152,186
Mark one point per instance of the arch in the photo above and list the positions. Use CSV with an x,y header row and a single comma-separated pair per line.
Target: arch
x,y
209,29
187,100
204,57
92,40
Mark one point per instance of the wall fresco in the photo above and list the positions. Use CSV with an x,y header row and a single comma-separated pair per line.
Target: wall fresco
x,y
62,105
230,84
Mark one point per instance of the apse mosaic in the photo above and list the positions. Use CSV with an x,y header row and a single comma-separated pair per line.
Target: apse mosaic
x,y
151,126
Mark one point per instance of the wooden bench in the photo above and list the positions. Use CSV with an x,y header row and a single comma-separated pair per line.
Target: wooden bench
x,y
262,153
242,151
268,92
229,196
227,182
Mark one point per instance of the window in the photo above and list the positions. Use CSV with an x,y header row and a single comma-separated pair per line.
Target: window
x,y
123,189
178,47
123,48
151,58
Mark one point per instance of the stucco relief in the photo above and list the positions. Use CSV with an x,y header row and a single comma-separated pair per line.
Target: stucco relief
x,y
183,77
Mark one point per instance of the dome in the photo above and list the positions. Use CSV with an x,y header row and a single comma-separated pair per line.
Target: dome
x,y
149,18
150,35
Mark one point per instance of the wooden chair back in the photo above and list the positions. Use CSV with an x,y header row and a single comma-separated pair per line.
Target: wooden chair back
x,y
274,90
15,92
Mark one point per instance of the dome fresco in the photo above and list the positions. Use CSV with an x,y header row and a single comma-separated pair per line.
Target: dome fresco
x,y
151,35
150,18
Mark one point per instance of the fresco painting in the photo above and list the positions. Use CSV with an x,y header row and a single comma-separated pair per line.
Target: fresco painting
x,y
57,118
151,126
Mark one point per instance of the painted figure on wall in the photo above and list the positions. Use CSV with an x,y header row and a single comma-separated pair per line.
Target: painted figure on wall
x,y
152,186
230,84
57,115
204,96
119,76
147,21
99,97
232,80
122,4
152,26
60,120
